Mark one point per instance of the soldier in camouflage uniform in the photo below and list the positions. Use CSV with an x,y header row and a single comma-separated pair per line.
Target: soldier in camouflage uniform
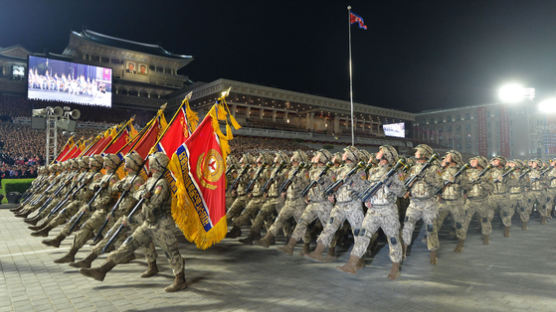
x,y
98,208
348,205
231,165
318,207
240,194
62,187
82,198
517,194
478,189
382,213
132,182
423,204
158,226
551,191
36,184
272,201
294,203
499,199
537,187
48,189
255,195
451,200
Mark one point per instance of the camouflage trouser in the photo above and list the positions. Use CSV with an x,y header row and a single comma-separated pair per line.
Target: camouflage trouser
x,y
540,199
457,209
237,207
352,211
229,200
502,204
268,208
292,208
67,230
49,208
384,217
65,213
32,207
426,209
88,229
314,210
150,251
250,211
521,206
551,195
162,234
480,206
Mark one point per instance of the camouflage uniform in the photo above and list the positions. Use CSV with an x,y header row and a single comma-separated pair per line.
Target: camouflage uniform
x,y
451,201
241,198
551,191
537,193
294,204
499,199
348,205
158,226
423,204
48,189
98,208
477,198
518,196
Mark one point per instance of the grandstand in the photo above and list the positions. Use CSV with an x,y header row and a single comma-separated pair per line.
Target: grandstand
x,y
146,76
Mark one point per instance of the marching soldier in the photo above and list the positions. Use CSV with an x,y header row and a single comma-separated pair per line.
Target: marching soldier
x,y
517,194
272,200
499,199
294,203
318,207
537,189
423,204
98,208
551,191
382,213
451,200
158,226
348,205
479,184
240,193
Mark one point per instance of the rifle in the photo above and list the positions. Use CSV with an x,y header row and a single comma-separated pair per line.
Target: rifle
x,y
288,182
370,192
257,174
482,173
29,192
98,237
82,213
507,173
268,183
334,187
230,169
236,181
314,182
523,174
131,213
36,201
541,174
457,174
71,193
409,182
51,197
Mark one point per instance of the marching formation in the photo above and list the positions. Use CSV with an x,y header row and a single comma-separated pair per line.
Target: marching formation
x,y
275,193
112,214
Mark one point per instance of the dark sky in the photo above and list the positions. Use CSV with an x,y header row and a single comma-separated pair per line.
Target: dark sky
x,y
415,55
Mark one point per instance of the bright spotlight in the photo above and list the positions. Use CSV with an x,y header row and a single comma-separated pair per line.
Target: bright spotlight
x,y
514,93
548,106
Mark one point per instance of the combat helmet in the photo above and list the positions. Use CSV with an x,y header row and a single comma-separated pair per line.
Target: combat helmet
x,y
389,153
158,161
502,160
364,155
280,157
111,161
133,161
324,155
96,161
352,153
246,159
299,156
83,162
456,156
425,150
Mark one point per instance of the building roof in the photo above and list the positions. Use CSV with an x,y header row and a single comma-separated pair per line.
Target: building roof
x,y
116,42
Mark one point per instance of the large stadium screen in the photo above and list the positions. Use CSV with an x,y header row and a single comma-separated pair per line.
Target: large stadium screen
x,y
55,80
394,130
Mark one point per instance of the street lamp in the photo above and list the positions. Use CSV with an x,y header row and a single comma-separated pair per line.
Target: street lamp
x,y
513,92
547,106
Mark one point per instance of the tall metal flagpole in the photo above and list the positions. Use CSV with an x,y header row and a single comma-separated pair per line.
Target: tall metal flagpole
x,y
350,78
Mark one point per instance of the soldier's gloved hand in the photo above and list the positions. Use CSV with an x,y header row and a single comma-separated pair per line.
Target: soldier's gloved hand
x,y
331,198
147,195
234,193
125,222
104,184
307,201
283,195
249,195
96,187
368,204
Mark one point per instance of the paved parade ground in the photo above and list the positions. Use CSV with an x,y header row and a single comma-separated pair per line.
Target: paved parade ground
x,y
511,274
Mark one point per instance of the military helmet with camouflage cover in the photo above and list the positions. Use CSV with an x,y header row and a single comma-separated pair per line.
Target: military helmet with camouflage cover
x,y
246,159
111,161
133,161
352,153
299,156
364,155
337,158
425,150
83,162
481,160
324,155
280,157
389,153
158,161
502,160
96,161
456,156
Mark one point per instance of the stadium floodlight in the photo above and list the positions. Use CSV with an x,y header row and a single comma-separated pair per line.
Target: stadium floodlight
x,y
513,92
547,106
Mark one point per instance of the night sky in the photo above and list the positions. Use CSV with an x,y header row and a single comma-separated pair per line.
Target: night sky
x,y
416,55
